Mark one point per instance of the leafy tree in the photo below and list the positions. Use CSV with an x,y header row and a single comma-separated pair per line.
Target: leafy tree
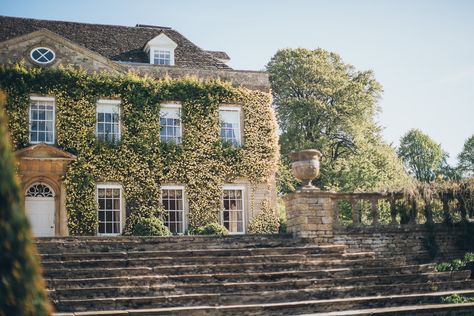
x,y
21,285
323,103
466,157
422,156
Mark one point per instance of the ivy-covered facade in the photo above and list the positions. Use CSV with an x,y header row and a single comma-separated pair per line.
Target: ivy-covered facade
x,y
107,145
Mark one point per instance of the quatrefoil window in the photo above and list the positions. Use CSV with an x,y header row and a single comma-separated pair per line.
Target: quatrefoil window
x,y
42,55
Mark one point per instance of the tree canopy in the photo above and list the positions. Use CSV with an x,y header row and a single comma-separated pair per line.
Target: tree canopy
x,y
424,159
466,157
326,104
22,290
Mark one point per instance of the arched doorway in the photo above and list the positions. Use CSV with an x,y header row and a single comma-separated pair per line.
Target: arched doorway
x,y
40,208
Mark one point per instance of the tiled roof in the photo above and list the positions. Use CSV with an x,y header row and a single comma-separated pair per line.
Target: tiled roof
x,y
118,43
219,55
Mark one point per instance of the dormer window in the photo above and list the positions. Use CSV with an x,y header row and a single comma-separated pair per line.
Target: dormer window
x,y
161,50
162,57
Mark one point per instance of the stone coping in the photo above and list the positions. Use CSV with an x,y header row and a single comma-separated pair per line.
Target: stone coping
x,y
370,229
165,238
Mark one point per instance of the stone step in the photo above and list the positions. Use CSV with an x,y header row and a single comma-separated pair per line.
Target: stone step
x,y
70,268
121,243
146,286
160,259
217,304
195,253
466,309
150,279
144,271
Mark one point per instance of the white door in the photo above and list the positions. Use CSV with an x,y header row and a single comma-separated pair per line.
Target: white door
x,y
40,212
39,207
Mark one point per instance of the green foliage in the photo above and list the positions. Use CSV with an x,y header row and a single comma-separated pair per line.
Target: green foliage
x,y
453,265
469,257
285,181
22,289
214,229
139,161
456,299
423,158
149,226
266,222
456,264
466,157
325,104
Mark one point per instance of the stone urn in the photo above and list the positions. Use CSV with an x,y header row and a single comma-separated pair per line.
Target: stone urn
x,y
305,166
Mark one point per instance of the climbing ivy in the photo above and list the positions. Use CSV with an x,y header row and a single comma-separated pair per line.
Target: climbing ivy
x,y
139,161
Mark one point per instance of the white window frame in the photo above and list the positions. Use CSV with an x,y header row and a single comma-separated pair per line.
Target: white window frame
x,y
244,209
178,106
185,212
169,51
232,109
116,103
41,98
110,186
42,62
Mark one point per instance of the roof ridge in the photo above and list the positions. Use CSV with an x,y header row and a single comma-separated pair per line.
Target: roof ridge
x,y
90,23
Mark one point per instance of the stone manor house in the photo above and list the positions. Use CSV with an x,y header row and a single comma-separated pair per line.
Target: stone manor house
x,y
146,50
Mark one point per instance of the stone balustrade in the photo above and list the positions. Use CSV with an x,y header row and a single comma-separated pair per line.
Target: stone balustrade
x,y
317,214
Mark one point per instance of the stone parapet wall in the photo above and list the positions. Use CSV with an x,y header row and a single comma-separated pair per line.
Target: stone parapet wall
x,y
312,214
255,80
400,240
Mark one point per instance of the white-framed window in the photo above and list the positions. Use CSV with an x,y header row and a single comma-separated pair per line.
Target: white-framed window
x,y
42,120
161,57
170,123
109,213
108,120
42,55
229,118
233,209
172,198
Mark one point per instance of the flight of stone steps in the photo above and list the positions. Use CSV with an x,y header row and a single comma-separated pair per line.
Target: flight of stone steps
x,y
239,275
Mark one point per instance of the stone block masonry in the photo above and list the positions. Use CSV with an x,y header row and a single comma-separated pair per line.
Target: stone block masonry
x,y
309,214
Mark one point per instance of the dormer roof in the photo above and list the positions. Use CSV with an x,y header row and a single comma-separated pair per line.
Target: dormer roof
x,y
161,41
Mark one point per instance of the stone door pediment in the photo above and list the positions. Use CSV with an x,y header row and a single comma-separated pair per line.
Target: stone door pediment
x,y
44,152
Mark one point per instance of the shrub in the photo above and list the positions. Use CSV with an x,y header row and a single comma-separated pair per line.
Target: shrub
x,y
469,257
212,229
149,226
456,264
282,227
453,265
456,299
21,287
266,222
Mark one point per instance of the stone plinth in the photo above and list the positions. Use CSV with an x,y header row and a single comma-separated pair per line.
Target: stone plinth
x,y
309,214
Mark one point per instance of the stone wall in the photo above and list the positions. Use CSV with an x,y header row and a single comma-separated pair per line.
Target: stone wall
x,y
400,240
256,80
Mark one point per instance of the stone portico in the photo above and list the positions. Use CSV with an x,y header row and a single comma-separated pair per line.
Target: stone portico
x,y
43,165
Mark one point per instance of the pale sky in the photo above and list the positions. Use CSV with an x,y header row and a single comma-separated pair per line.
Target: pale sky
x,y
422,52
